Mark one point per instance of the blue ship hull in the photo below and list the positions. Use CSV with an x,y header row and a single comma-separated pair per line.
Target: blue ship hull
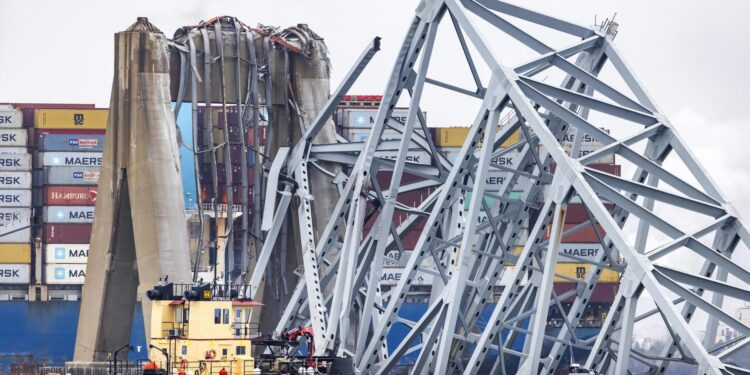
x,y
45,332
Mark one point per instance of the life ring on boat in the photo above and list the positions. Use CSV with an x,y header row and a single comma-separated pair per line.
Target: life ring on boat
x,y
211,354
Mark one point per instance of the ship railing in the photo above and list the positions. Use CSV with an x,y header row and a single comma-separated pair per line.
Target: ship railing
x,y
219,292
203,367
122,368
245,329
167,326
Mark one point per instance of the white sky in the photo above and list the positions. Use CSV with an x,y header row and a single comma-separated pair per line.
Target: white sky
x,y
692,56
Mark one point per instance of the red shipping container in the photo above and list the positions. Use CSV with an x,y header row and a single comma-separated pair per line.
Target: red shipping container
x,y
384,179
70,195
66,233
409,242
262,136
614,169
577,214
411,199
602,293
207,195
236,171
584,235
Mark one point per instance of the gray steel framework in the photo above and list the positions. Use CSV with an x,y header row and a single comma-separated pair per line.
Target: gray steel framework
x,y
340,292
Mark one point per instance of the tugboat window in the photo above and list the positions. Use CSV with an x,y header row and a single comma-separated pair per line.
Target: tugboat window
x,y
217,316
240,350
226,316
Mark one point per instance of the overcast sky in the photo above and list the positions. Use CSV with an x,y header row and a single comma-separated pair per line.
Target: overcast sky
x,y
692,56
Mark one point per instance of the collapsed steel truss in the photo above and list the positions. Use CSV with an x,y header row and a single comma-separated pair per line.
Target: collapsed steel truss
x,y
340,295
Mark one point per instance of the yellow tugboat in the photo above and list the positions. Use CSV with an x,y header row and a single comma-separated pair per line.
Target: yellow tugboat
x,y
200,329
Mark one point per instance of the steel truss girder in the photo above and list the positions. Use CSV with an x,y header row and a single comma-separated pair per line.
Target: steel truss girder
x,y
468,259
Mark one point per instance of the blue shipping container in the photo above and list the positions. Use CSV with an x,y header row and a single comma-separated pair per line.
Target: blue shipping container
x,y
70,142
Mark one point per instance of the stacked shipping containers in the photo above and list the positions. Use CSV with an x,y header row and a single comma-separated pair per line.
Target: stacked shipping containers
x,y
220,122
576,248
354,119
69,145
15,200
579,249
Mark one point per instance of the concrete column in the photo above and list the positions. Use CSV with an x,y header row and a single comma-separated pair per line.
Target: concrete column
x,y
139,233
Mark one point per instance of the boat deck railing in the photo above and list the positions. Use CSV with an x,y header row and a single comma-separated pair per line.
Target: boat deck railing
x,y
207,367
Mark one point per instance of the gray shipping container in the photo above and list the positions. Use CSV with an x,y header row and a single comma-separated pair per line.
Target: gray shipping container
x,y
15,225
70,142
15,198
15,273
67,176
13,150
10,117
15,162
14,137
69,214
15,180
69,159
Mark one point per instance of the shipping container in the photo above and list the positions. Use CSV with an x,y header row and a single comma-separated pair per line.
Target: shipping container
x,y
68,176
15,198
70,140
235,153
65,274
384,179
219,136
412,156
365,118
207,196
69,195
10,117
82,119
15,234
15,180
69,159
456,137
392,276
614,169
581,251
66,233
362,134
12,218
15,253
583,151
13,150
583,235
15,162
602,293
236,175
67,253
217,117
68,214
28,109
587,141
579,271
15,273
14,137
576,213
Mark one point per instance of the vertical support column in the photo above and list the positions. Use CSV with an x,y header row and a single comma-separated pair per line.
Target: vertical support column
x,y
539,323
456,286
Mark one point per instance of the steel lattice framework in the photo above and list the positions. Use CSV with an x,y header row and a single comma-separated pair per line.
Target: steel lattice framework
x,y
339,292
